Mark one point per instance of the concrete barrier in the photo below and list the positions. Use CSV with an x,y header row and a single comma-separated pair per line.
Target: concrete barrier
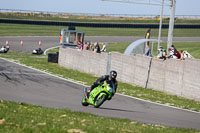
x,y
84,61
181,78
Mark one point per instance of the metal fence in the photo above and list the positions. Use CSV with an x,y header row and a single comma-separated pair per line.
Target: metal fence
x,y
95,14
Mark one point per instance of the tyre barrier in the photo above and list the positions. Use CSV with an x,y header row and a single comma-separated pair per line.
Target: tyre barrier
x,y
53,57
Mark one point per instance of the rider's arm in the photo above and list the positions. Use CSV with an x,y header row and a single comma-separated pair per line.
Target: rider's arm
x,y
115,88
102,79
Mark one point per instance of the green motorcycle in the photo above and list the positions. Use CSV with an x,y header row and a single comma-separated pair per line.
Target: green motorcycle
x,y
98,95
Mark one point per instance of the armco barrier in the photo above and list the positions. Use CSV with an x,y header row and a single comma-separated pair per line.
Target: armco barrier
x,y
176,77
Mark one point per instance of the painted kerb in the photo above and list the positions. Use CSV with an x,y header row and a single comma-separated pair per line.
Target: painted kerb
x,y
176,77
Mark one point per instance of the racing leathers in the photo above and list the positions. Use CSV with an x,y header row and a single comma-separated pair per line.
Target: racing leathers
x,y
100,81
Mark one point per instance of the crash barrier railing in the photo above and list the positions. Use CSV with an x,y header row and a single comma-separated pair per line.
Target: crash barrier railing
x,y
173,76
105,25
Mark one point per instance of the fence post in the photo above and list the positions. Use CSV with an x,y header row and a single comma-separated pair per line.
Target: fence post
x,y
108,64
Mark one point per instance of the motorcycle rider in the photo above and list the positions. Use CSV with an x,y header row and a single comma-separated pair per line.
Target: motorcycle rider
x,y
109,78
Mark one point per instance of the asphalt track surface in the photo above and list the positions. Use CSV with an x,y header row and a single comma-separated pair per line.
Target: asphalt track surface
x,y
22,84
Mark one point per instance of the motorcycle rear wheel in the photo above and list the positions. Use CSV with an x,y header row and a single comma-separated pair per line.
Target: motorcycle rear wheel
x,y
84,102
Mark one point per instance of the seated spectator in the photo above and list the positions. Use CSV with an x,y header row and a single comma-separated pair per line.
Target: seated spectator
x,y
173,48
38,51
177,54
91,47
80,46
171,53
161,53
103,48
184,54
85,46
96,48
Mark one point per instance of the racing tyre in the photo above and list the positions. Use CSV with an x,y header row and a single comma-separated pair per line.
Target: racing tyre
x,y
100,100
84,102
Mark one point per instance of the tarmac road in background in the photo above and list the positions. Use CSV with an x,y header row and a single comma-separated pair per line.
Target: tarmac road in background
x,y
22,84
32,42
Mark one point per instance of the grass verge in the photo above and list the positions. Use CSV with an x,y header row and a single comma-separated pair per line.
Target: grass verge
x,y
25,118
44,30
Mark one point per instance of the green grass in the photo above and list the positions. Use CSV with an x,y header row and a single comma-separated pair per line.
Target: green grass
x,y
44,30
25,118
29,30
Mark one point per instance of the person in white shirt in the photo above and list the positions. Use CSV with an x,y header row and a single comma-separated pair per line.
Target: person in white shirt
x,y
103,48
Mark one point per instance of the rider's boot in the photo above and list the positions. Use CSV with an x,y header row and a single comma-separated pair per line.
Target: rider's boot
x,y
87,93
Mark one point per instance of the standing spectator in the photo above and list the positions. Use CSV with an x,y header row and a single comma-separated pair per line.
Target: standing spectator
x,y
103,48
147,35
60,39
148,51
96,48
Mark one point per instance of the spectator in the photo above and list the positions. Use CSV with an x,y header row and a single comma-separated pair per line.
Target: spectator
x,y
80,46
85,46
148,51
182,55
171,53
91,47
147,35
103,48
176,53
161,53
60,39
173,48
96,48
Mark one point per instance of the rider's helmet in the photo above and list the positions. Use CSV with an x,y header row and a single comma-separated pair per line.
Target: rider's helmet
x,y
113,75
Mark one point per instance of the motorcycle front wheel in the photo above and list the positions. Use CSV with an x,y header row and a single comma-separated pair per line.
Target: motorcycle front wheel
x,y
99,100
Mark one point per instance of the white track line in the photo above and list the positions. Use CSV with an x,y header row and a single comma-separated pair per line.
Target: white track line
x,y
79,83
50,48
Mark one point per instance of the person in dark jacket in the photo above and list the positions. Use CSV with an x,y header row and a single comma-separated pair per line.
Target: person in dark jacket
x,y
111,78
96,48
